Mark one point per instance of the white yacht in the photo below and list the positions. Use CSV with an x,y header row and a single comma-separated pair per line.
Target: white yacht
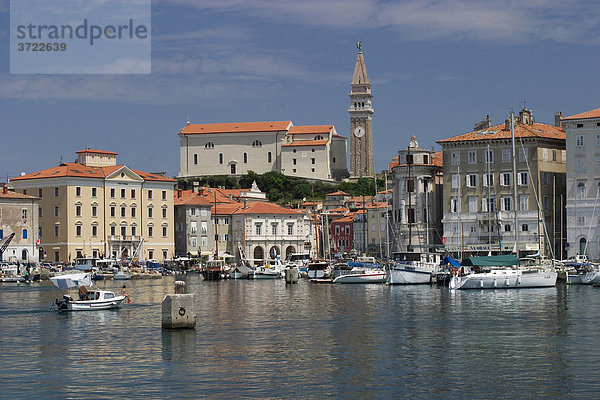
x,y
410,268
499,272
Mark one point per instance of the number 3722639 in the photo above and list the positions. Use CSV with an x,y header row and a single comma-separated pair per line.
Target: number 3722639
x,y
25,46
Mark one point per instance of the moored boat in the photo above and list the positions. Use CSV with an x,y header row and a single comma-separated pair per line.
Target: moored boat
x,y
499,272
362,275
318,269
411,268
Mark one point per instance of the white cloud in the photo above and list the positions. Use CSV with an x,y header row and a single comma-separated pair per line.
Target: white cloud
x,y
558,20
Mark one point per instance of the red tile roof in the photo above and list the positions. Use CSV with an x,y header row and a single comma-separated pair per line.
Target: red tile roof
x,y
345,219
310,129
307,143
338,193
261,207
187,197
9,194
380,205
225,209
82,171
521,130
438,159
588,114
112,153
338,210
236,127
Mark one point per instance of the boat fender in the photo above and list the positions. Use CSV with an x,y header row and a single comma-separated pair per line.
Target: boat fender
x,y
181,311
454,272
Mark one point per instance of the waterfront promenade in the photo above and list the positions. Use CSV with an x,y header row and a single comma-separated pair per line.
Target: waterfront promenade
x,y
263,339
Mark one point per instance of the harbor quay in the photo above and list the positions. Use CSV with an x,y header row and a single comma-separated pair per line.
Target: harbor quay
x,y
263,338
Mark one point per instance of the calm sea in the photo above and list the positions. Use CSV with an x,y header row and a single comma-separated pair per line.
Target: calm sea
x,y
263,339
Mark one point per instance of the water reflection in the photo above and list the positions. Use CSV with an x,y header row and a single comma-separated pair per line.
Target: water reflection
x,y
265,339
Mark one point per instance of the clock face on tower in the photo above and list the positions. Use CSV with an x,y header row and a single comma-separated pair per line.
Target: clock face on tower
x,y
359,131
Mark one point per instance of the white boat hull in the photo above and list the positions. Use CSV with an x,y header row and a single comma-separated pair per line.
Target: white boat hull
x,y
122,277
88,305
589,278
366,277
408,276
504,279
237,275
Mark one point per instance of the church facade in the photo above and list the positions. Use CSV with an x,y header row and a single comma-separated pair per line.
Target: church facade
x,y
314,152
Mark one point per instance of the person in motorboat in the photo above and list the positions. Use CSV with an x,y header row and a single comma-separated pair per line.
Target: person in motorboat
x,y
124,293
83,292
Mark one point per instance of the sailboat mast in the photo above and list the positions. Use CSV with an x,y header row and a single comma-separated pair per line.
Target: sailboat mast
x,y
409,190
489,184
387,221
512,130
378,220
459,209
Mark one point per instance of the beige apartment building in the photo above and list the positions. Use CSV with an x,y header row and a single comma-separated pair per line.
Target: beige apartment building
x,y
96,208
19,215
479,188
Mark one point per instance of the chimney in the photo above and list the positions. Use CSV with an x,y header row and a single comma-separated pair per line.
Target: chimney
x,y
486,123
557,117
178,193
526,116
4,190
507,126
195,186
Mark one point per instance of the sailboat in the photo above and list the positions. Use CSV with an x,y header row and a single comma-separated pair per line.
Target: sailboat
x,y
502,271
412,267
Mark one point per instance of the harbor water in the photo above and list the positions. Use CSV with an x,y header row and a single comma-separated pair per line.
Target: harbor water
x,y
263,339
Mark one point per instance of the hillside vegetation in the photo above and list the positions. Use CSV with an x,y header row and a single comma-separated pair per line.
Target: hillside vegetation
x,y
285,189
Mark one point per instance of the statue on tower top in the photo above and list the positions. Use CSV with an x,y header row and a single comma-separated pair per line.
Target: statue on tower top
x,y
359,46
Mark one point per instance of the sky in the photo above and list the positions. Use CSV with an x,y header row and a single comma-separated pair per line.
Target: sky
x,y
436,69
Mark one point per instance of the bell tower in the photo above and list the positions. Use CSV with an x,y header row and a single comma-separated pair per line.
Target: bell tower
x,y
361,112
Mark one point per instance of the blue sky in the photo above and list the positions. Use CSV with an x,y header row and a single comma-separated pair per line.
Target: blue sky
x,y
436,68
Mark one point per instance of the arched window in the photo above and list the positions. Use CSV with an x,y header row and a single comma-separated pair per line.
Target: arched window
x,y
318,137
269,157
220,158
24,255
580,191
24,233
245,158
257,143
582,246
195,159
209,145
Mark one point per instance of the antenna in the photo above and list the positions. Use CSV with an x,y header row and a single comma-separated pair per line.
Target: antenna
x,y
60,161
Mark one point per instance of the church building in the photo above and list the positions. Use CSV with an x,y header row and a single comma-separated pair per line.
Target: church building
x,y
313,152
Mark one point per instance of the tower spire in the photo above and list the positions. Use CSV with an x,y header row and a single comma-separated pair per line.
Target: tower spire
x,y
361,111
360,76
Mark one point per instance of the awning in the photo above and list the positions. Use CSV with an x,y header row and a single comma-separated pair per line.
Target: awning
x,y
491,261
449,260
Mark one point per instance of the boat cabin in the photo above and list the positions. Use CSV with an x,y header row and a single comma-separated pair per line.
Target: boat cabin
x,y
86,264
415,258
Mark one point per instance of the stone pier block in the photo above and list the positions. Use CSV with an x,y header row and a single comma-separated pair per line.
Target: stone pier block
x,y
179,311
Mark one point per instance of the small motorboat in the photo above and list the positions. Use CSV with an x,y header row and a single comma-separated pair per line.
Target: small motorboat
x,y
239,272
273,269
318,269
95,299
121,276
362,275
